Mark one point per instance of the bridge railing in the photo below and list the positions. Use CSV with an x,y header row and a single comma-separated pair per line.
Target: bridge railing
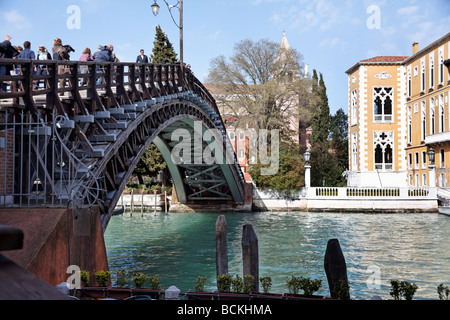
x,y
38,92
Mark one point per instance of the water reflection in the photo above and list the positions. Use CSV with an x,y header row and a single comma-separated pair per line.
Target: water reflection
x,y
180,247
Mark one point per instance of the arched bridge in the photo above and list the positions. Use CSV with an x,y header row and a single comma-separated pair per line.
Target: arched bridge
x,y
74,134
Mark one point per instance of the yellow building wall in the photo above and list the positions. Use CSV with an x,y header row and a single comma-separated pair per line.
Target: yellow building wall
x,y
415,102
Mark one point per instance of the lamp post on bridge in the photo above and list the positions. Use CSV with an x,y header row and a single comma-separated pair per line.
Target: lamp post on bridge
x,y
179,6
307,156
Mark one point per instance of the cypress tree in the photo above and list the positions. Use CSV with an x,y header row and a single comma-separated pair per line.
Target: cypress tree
x,y
323,161
163,51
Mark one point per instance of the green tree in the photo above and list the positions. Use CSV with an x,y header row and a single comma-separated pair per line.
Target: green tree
x,y
290,177
261,85
339,143
324,166
163,51
153,162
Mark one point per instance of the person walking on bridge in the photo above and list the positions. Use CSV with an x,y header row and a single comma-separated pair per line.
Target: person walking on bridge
x,y
7,51
105,55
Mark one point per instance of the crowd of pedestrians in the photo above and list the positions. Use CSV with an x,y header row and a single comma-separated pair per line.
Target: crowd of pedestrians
x,y
58,52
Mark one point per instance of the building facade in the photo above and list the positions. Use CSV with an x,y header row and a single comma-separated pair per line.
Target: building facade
x,y
398,112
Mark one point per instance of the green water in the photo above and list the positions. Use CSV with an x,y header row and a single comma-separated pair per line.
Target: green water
x,y
178,247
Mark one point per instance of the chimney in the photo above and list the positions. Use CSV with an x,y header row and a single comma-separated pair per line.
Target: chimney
x,y
415,47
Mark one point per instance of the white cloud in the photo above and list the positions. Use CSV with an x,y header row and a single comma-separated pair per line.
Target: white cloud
x,y
315,15
15,20
214,36
334,43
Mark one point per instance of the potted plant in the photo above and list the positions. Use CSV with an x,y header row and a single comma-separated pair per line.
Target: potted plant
x,y
139,280
444,292
102,278
224,282
200,284
402,289
249,283
122,278
237,284
342,290
85,277
309,287
266,283
155,282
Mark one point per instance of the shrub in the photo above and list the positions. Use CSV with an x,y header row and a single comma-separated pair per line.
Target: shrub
x,y
200,283
249,283
293,285
155,282
443,291
85,277
341,290
102,277
266,283
309,286
139,280
224,282
237,284
402,289
122,278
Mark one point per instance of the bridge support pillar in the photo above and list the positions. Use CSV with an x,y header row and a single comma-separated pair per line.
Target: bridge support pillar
x,y
48,250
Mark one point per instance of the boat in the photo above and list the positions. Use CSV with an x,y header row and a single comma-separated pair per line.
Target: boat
x,y
444,210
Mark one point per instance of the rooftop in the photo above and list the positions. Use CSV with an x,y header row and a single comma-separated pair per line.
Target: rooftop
x,y
385,59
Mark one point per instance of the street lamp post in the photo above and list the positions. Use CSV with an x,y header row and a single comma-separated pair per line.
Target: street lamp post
x,y
307,156
179,6
432,168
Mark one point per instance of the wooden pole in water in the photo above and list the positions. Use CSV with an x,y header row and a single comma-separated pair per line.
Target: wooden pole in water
x,y
132,203
154,193
221,246
335,266
165,202
142,203
250,256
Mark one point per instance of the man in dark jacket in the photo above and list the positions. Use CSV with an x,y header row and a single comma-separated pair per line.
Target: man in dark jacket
x,y
105,55
7,51
142,58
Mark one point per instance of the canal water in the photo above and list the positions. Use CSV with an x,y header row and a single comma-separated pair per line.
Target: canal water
x,y
378,248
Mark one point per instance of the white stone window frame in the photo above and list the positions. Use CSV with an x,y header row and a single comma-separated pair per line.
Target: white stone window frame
x,y
354,106
384,139
432,117
423,121
422,75
441,67
383,118
431,70
409,82
424,160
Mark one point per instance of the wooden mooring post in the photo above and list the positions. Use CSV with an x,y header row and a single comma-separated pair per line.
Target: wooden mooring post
x,y
335,267
221,246
250,255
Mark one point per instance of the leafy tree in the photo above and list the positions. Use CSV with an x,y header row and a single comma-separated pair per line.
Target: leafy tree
x,y
151,163
339,143
163,51
290,177
324,164
264,85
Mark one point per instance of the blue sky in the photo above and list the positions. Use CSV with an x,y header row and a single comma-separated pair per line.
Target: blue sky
x,y
332,35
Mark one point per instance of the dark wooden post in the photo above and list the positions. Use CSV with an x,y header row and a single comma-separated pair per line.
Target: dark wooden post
x,y
250,254
221,246
335,266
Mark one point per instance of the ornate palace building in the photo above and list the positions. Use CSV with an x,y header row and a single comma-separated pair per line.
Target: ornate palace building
x,y
398,112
